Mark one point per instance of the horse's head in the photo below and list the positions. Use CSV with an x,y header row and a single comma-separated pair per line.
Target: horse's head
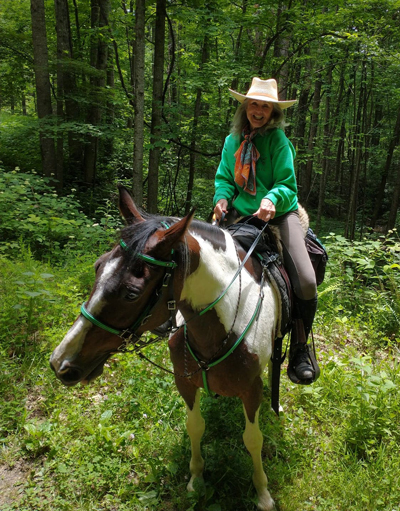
x,y
127,294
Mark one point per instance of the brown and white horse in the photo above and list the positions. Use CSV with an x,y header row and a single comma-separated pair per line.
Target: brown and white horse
x,y
161,262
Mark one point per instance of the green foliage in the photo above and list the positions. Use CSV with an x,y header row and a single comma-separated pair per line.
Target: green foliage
x,y
372,409
19,142
35,217
362,284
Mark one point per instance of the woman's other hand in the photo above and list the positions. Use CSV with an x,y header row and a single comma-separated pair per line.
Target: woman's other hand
x,y
266,211
220,207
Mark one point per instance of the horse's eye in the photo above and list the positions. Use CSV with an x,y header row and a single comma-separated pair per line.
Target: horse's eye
x,y
131,295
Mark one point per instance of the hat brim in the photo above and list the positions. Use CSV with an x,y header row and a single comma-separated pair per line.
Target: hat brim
x,y
242,97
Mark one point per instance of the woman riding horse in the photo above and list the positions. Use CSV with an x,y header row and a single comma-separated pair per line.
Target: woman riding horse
x,y
256,176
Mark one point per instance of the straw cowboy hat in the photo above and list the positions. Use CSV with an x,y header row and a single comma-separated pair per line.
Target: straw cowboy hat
x,y
263,90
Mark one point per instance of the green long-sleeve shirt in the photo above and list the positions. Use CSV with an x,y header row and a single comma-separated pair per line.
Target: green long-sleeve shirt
x,y
275,177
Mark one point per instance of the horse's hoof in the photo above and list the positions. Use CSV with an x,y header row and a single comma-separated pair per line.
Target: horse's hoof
x,y
266,503
190,487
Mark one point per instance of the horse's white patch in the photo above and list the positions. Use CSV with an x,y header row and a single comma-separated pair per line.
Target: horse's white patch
x,y
96,302
72,343
214,274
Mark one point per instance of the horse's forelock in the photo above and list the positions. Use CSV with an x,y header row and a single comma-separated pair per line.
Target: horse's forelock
x,y
136,235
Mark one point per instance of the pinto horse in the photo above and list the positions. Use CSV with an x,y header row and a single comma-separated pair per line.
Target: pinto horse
x,y
228,318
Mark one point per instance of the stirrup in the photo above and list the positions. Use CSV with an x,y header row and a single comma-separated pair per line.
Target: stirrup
x,y
315,367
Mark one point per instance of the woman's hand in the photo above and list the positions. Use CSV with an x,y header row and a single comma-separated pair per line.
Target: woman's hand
x,y
266,211
220,207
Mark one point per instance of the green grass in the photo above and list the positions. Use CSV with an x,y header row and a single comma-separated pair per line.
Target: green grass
x,y
120,443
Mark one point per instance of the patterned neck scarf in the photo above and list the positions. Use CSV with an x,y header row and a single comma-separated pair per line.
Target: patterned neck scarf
x,y
246,159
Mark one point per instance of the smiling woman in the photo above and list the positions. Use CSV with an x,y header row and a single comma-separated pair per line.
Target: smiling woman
x,y
256,177
258,113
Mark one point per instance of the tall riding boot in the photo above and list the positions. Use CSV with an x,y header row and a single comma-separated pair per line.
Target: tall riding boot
x,y
303,367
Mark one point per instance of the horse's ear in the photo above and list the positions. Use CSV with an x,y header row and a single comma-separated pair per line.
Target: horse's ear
x,y
127,207
169,239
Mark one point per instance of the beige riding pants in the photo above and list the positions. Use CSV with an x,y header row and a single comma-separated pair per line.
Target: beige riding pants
x,y
296,258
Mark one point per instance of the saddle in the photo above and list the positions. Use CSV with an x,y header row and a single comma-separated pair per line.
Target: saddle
x,y
246,231
268,253
268,250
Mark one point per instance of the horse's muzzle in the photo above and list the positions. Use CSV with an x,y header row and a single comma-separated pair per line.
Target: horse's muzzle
x,y
68,373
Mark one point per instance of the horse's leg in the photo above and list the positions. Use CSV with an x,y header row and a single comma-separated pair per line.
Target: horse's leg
x,y
195,423
195,426
253,440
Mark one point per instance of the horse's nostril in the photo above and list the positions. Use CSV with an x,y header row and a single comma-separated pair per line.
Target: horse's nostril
x,y
64,367
68,373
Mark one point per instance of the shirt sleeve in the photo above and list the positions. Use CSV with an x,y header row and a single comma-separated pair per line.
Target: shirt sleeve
x,y
224,178
283,194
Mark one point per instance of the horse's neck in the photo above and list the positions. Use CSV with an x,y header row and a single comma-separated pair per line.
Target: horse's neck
x,y
214,269
217,265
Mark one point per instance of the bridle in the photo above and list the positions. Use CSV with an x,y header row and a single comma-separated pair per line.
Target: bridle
x,y
129,335
134,343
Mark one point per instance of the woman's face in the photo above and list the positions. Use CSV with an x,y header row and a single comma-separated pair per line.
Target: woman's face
x,y
258,113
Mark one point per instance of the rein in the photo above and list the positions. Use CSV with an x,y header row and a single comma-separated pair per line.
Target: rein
x,y
130,337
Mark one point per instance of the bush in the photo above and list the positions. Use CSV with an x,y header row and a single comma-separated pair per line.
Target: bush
x,y
19,141
362,284
34,215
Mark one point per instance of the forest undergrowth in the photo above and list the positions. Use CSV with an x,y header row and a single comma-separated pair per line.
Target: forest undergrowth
x,y
120,443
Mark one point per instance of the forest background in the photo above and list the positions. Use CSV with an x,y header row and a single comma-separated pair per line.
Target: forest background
x,y
94,93
103,92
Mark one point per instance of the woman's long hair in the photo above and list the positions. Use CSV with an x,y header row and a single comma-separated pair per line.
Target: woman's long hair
x,y
240,119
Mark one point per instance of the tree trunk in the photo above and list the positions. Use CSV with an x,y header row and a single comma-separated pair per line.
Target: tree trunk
x,y
235,81
341,109
355,174
23,104
395,201
108,144
42,80
300,130
66,84
192,160
326,148
156,117
311,142
138,137
63,49
98,60
281,48
381,190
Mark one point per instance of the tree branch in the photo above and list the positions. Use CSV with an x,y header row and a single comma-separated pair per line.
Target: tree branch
x,y
128,94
